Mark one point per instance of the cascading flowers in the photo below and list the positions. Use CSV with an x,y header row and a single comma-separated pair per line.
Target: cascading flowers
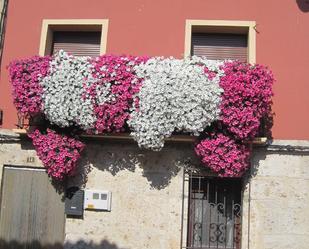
x,y
112,92
246,99
25,77
175,96
59,153
63,97
224,155
152,97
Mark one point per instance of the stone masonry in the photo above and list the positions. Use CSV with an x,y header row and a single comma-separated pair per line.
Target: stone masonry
x,y
147,194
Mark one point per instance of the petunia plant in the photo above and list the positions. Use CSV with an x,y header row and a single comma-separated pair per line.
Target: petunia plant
x,y
224,155
59,153
175,96
25,76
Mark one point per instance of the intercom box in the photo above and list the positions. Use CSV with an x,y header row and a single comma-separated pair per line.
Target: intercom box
x,y
97,200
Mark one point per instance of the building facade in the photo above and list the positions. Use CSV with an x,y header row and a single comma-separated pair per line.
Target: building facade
x,y
163,199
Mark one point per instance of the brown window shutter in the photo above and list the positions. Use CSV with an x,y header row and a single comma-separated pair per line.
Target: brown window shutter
x,y
77,43
220,46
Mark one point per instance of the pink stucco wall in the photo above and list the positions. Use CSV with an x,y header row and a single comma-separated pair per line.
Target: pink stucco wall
x,y
147,27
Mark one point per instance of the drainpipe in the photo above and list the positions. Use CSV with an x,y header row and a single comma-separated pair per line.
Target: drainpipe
x,y
3,16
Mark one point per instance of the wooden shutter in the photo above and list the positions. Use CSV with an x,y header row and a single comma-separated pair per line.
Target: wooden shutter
x,y
220,46
77,43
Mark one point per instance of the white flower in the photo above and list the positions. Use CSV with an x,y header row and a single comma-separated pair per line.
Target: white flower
x,y
63,103
176,95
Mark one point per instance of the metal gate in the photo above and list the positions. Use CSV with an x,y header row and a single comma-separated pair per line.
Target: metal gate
x,y
214,214
32,212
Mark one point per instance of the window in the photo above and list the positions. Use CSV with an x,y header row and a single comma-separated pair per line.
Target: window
x,y
77,43
216,46
81,37
214,216
220,40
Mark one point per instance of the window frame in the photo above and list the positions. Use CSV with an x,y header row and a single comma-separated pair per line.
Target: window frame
x,y
222,26
51,25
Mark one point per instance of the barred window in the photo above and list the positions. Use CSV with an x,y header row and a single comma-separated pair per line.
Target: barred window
x,y
214,217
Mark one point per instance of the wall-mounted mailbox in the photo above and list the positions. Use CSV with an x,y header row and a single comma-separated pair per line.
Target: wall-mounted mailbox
x,y
74,201
97,200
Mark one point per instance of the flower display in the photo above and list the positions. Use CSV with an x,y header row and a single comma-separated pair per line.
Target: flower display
x,y
112,93
25,77
224,155
226,102
64,102
59,153
175,96
246,99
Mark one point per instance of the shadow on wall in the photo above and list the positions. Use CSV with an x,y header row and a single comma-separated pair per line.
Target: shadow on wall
x,y
104,244
258,156
157,167
303,5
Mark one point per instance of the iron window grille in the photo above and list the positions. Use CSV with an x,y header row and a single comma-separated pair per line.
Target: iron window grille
x,y
214,213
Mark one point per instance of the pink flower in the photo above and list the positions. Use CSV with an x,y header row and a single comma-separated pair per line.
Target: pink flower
x,y
223,155
24,77
247,98
58,153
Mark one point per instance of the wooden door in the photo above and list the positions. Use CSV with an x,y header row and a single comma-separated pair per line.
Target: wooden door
x,y
32,212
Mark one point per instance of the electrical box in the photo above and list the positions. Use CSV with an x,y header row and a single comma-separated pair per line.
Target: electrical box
x,y
97,200
74,202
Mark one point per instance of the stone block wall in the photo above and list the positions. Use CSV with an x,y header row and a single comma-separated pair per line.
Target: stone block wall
x,y
147,195
276,199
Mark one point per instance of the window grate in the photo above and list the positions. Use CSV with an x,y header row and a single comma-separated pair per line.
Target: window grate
x,y
214,213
